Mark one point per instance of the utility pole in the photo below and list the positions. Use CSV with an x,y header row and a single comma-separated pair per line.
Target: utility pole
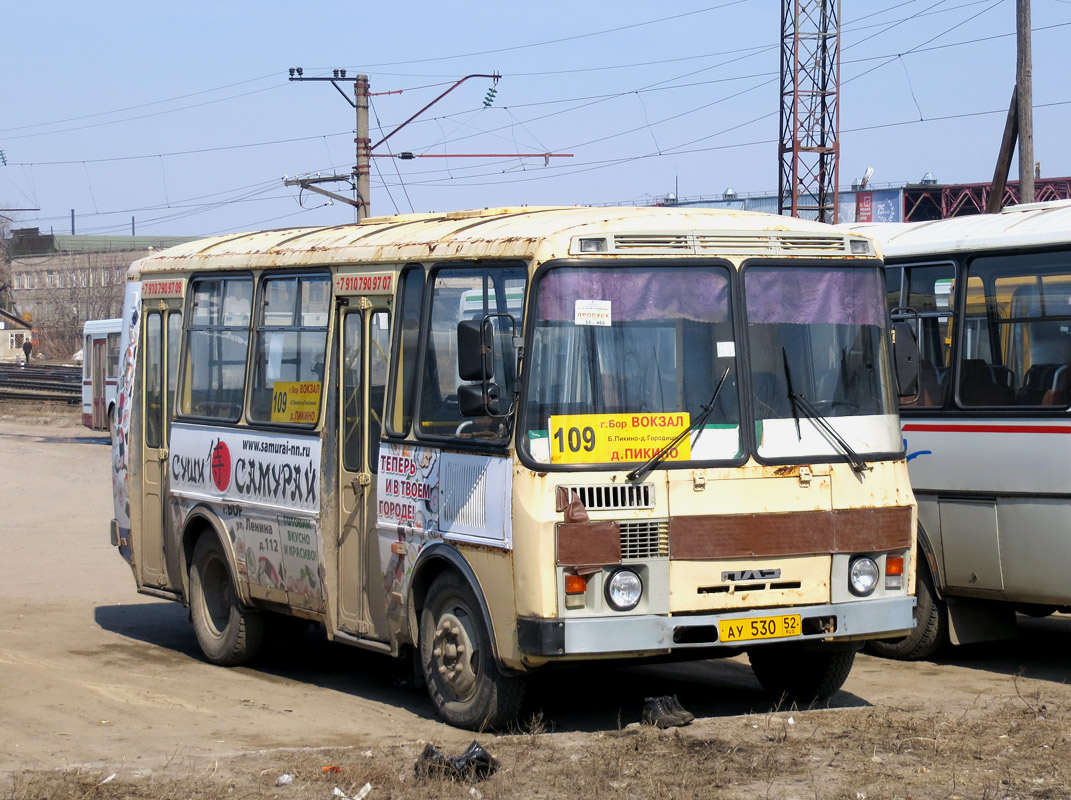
x,y
362,168
1004,157
360,178
1019,126
1025,95
363,201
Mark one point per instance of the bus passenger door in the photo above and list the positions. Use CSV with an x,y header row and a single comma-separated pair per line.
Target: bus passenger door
x,y
362,381
159,359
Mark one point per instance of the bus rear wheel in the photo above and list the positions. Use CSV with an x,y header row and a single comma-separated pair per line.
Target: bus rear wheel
x,y
799,675
458,663
931,624
227,633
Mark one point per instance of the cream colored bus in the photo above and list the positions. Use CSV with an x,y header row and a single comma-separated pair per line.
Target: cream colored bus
x,y
511,439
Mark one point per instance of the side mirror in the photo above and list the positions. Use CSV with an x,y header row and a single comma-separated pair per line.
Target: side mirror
x,y
475,350
478,399
906,358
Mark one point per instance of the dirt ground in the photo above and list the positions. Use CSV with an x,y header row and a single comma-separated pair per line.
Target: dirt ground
x,y
103,694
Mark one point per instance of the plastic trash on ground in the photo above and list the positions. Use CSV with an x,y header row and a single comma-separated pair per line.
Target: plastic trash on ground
x,y
361,795
475,764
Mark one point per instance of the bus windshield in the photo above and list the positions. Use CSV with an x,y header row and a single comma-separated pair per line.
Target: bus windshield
x,y
823,331
623,358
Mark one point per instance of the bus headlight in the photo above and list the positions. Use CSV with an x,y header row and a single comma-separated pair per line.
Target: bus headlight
x,y
863,576
623,590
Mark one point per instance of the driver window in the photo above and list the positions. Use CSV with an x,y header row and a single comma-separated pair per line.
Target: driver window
x,y
468,294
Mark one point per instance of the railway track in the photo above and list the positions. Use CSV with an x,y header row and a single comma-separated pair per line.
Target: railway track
x,y
41,383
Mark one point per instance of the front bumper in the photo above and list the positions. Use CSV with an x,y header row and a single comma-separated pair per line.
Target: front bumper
x,y
657,633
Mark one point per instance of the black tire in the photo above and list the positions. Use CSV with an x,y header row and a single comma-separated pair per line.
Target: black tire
x,y
801,676
458,663
227,633
931,625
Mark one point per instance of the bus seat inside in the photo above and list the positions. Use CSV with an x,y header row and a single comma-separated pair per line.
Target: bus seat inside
x,y
978,386
1060,392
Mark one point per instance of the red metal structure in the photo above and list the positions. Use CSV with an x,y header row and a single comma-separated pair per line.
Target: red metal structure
x,y
810,109
936,201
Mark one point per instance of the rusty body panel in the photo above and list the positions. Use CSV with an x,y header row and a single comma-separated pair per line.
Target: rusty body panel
x,y
717,536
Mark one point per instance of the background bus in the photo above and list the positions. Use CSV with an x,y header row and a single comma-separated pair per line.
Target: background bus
x,y
988,437
516,438
100,371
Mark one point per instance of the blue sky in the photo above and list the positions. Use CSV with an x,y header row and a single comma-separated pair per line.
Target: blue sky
x,y
181,114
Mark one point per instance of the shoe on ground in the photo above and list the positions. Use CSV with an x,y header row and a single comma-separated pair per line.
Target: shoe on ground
x,y
657,712
675,705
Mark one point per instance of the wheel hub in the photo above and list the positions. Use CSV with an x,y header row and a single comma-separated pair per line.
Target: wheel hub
x,y
453,653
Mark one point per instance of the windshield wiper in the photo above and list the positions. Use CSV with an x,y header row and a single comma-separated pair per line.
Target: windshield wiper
x,y
644,469
791,394
798,402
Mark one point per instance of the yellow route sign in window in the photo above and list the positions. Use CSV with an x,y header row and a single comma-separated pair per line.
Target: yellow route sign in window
x,y
606,438
296,402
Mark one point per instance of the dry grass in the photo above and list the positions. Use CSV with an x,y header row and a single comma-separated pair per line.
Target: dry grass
x,y
1008,747
60,415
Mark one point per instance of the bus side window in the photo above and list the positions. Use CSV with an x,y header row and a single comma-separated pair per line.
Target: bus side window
x,y
289,350
894,277
353,410
930,289
217,342
1017,348
113,355
467,293
406,341
378,359
351,391
154,379
174,336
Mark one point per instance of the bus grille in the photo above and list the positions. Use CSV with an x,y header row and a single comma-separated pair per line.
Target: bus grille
x,y
746,243
614,497
654,241
771,244
648,538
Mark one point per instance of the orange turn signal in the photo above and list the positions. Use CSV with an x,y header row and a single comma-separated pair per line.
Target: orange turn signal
x,y
576,584
894,572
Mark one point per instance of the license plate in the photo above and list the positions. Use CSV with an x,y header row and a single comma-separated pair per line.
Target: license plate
x,y
744,630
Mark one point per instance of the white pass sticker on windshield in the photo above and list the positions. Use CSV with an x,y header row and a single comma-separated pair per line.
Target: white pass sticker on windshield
x,y
726,349
591,312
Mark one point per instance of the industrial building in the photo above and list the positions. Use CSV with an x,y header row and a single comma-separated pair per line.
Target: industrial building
x,y
58,282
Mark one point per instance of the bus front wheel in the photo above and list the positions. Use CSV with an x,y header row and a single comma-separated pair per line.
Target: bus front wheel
x,y
227,633
931,624
459,667
799,675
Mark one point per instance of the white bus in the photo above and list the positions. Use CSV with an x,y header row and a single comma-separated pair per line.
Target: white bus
x,y
988,436
515,438
100,372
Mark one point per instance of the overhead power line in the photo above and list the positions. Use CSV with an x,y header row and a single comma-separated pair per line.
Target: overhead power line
x,y
885,58
65,120
560,40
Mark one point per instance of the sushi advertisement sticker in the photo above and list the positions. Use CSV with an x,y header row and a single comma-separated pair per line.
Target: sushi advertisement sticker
x,y
265,488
